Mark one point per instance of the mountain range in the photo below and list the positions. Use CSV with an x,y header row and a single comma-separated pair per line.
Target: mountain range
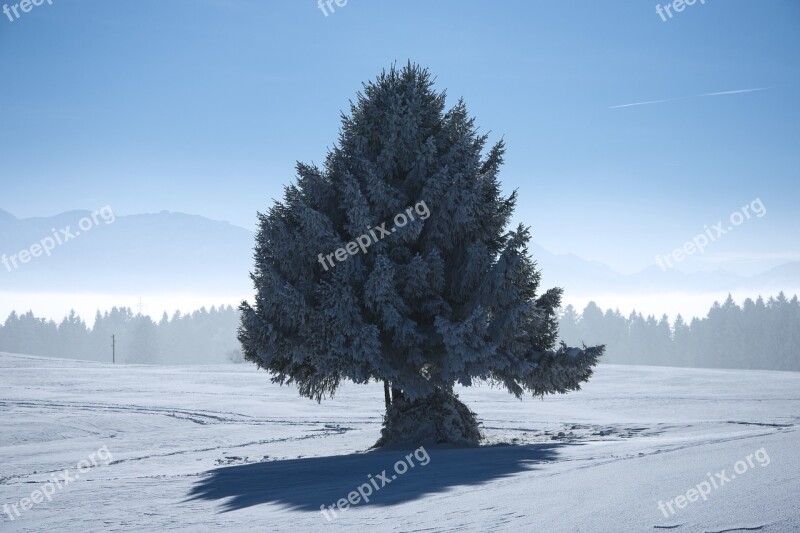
x,y
175,252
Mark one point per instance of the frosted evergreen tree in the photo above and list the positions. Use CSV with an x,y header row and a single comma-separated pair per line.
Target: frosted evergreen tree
x,y
452,299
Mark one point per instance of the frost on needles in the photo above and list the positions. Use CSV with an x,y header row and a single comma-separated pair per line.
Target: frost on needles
x,y
452,299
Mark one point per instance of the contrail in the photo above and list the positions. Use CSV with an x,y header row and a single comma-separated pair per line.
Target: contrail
x,y
737,91
640,103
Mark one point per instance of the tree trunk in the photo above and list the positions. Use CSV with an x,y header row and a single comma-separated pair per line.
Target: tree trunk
x,y
386,396
440,418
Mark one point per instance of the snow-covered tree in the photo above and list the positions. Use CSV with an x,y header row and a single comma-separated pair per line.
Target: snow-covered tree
x,y
448,299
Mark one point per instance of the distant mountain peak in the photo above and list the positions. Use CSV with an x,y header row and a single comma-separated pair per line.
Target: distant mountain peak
x,y
5,216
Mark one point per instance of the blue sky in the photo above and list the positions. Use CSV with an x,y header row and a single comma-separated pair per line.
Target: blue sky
x,y
204,107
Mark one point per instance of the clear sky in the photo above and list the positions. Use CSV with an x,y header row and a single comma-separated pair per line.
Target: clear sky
x,y
203,106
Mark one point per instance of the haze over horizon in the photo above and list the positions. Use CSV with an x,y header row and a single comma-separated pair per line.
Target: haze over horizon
x,y
196,262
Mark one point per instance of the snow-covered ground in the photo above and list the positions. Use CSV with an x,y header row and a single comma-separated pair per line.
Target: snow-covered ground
x,y
209,448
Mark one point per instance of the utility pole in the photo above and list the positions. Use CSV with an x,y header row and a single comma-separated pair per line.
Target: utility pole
x,y
113,349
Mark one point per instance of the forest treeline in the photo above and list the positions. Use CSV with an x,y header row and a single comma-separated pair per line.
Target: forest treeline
x,y
200,337
755,335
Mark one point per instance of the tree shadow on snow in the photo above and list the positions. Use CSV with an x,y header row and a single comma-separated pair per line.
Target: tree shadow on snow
x,y
307,483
